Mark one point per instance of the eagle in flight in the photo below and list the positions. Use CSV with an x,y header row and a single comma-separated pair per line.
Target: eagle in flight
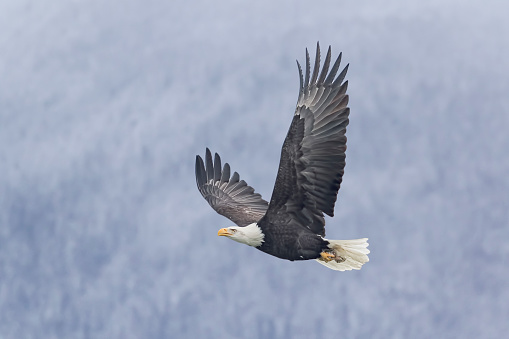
x,y
292,225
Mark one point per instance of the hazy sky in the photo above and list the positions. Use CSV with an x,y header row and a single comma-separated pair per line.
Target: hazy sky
x,y
104,106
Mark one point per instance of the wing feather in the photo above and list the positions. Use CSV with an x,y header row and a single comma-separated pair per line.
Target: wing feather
x,y
228,196
217,169
317,64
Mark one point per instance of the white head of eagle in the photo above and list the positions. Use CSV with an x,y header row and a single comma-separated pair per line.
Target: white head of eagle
x,y
250,235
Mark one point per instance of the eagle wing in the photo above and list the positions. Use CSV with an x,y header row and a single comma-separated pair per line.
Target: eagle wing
x,y
313,154
228,196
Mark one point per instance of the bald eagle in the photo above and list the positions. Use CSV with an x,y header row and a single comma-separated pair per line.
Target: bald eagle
x,y
292,225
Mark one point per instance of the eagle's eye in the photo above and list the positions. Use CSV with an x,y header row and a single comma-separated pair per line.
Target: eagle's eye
x,y
233,230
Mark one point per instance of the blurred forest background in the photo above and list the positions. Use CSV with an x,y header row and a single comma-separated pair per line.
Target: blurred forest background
x,y
105,104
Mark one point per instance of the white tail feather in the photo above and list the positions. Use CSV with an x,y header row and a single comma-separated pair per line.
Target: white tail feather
x,y
354,253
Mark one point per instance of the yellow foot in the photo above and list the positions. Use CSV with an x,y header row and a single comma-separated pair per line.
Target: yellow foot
x,y
326,256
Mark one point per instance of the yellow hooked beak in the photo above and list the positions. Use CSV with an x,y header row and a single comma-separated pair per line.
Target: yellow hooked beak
x,y
223,232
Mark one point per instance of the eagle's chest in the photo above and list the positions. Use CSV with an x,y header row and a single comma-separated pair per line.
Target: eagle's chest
x,y
292,243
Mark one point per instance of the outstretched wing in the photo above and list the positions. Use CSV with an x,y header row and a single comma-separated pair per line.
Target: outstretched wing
x,y
230,197
313,154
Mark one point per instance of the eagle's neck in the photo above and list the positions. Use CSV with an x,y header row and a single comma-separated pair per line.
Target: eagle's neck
x,y
253,235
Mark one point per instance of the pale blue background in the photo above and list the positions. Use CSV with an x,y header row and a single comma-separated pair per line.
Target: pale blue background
x,y
104,105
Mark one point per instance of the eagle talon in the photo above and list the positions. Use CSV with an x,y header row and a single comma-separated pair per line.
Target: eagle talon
x,y
326,256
